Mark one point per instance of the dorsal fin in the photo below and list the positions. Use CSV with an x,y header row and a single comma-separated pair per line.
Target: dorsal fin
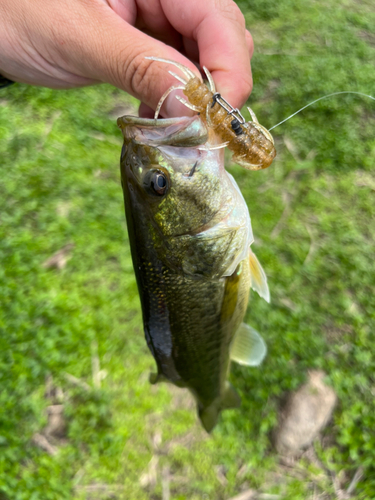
x,y
258,277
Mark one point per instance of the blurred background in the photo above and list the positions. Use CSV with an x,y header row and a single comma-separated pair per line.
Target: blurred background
x,y
78,418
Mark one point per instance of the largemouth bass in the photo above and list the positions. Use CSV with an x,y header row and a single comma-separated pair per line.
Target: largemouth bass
x,y
190,235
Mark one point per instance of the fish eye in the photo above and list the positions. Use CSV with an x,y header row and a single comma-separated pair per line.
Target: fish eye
x,y
159,183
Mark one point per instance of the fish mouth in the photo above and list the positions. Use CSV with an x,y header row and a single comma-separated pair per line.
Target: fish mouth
x,y
151,122
182,131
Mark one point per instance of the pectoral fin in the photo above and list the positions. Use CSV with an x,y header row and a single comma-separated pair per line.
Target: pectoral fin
x,y
258,277
248,348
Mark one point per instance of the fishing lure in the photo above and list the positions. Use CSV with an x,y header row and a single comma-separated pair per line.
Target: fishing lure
x,y
251,143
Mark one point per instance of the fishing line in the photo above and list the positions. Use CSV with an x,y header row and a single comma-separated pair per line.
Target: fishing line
x,y
320,98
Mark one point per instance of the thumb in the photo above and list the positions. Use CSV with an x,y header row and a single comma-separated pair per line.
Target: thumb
x,y
104,47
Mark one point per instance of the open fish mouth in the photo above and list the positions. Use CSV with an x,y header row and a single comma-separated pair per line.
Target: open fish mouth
x,y
180,132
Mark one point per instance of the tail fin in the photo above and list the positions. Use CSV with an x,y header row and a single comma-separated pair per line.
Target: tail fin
x,y
210,414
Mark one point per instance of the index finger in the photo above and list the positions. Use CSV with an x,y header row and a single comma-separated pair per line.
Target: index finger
x,y
225,46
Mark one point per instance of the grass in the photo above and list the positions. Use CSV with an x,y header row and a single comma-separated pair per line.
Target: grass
x,y
313,216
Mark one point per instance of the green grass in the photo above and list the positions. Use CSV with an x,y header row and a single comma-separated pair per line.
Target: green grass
x,y
313,216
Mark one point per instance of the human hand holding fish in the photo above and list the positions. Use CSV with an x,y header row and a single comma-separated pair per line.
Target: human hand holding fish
x,y
81,42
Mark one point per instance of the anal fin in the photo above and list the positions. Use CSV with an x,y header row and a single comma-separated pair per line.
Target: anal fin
x,y
231,399
248,348
210,414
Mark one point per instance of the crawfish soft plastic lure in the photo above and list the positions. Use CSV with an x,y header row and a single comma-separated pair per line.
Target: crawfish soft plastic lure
x,y
251,143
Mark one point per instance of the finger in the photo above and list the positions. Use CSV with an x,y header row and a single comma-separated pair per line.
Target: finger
x,y
250,43
147,16
104,47
152,20
125,9
191,49
145,111
218,27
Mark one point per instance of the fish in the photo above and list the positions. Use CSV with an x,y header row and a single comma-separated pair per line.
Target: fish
x,y
190,235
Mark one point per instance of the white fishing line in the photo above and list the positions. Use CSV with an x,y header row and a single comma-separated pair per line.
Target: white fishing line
x,y
321,98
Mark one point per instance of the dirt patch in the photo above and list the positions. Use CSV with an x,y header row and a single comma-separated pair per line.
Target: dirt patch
x,y
305,414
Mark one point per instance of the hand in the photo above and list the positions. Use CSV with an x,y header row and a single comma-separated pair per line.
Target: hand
x,y
71,43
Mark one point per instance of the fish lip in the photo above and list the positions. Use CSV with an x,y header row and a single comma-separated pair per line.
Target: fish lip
x,y
126,120
183,131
